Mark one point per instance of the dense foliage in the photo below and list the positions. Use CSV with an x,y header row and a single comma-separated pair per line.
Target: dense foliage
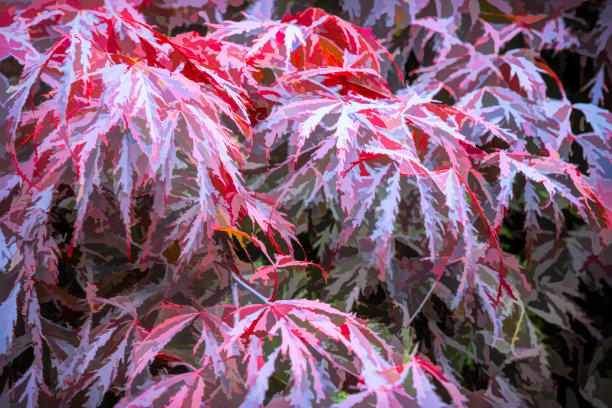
x,y
217,203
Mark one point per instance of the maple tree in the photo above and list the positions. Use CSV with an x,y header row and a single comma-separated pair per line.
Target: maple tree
x,y
387,203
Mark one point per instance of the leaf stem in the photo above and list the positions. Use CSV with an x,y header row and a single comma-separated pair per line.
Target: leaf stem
x,y
408,319
517,329
250,289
